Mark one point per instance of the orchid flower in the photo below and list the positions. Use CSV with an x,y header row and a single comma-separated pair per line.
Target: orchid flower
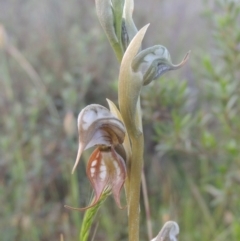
x,y
106,168
168,232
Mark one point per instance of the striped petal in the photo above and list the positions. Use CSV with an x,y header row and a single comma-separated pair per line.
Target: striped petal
x,y
106,170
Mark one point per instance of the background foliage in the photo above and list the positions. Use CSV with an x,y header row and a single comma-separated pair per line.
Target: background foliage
x,y
56,60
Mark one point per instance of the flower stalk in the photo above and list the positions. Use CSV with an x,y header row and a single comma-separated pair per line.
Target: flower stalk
x,y
130,84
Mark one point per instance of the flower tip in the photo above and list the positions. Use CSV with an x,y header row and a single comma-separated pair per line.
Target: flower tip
x,y
80,149
74,168
121,207
117,200
187,56
144,28
72,208
185,59
75,165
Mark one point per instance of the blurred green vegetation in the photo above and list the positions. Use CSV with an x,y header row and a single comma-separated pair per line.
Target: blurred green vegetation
x,y
55,59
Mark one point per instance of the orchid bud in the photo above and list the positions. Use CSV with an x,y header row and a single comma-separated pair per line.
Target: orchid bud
x,y
110,17
168,232
98,126
129,27
154,62
106,18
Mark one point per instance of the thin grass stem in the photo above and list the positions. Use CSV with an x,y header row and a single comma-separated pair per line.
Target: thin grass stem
x,y
146,206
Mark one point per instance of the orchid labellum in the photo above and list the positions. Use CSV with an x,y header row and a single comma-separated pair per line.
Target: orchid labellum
x,y
106,169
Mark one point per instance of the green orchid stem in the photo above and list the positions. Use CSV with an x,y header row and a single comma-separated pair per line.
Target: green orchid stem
x,y
129,103
135,176
134,188
129,89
